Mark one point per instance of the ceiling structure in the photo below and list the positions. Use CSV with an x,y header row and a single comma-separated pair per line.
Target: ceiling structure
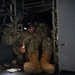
x,y
35,6
25,7
38,5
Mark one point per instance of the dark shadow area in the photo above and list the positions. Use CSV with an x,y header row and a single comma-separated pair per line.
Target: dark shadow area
x,y
63,72
6,54
46,16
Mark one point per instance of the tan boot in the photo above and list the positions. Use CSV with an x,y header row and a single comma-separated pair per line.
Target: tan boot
x,y
33,66
48,68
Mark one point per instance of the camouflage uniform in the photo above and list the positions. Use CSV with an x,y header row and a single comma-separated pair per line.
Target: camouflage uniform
x,y
41,35
29,42
46,42
33,40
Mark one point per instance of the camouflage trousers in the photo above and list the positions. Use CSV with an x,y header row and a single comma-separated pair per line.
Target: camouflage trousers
x,y
32,46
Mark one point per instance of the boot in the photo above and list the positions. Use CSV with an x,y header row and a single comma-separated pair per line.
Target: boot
x,y
33,66
48,68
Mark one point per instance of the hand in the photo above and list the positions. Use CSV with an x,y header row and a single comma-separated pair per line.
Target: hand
x,y
23,49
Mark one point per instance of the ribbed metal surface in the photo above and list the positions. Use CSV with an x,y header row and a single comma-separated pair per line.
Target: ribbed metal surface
x,y
37,5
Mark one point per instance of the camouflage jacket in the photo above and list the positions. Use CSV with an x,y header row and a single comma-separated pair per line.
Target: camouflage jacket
x,y
24,37
41,31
